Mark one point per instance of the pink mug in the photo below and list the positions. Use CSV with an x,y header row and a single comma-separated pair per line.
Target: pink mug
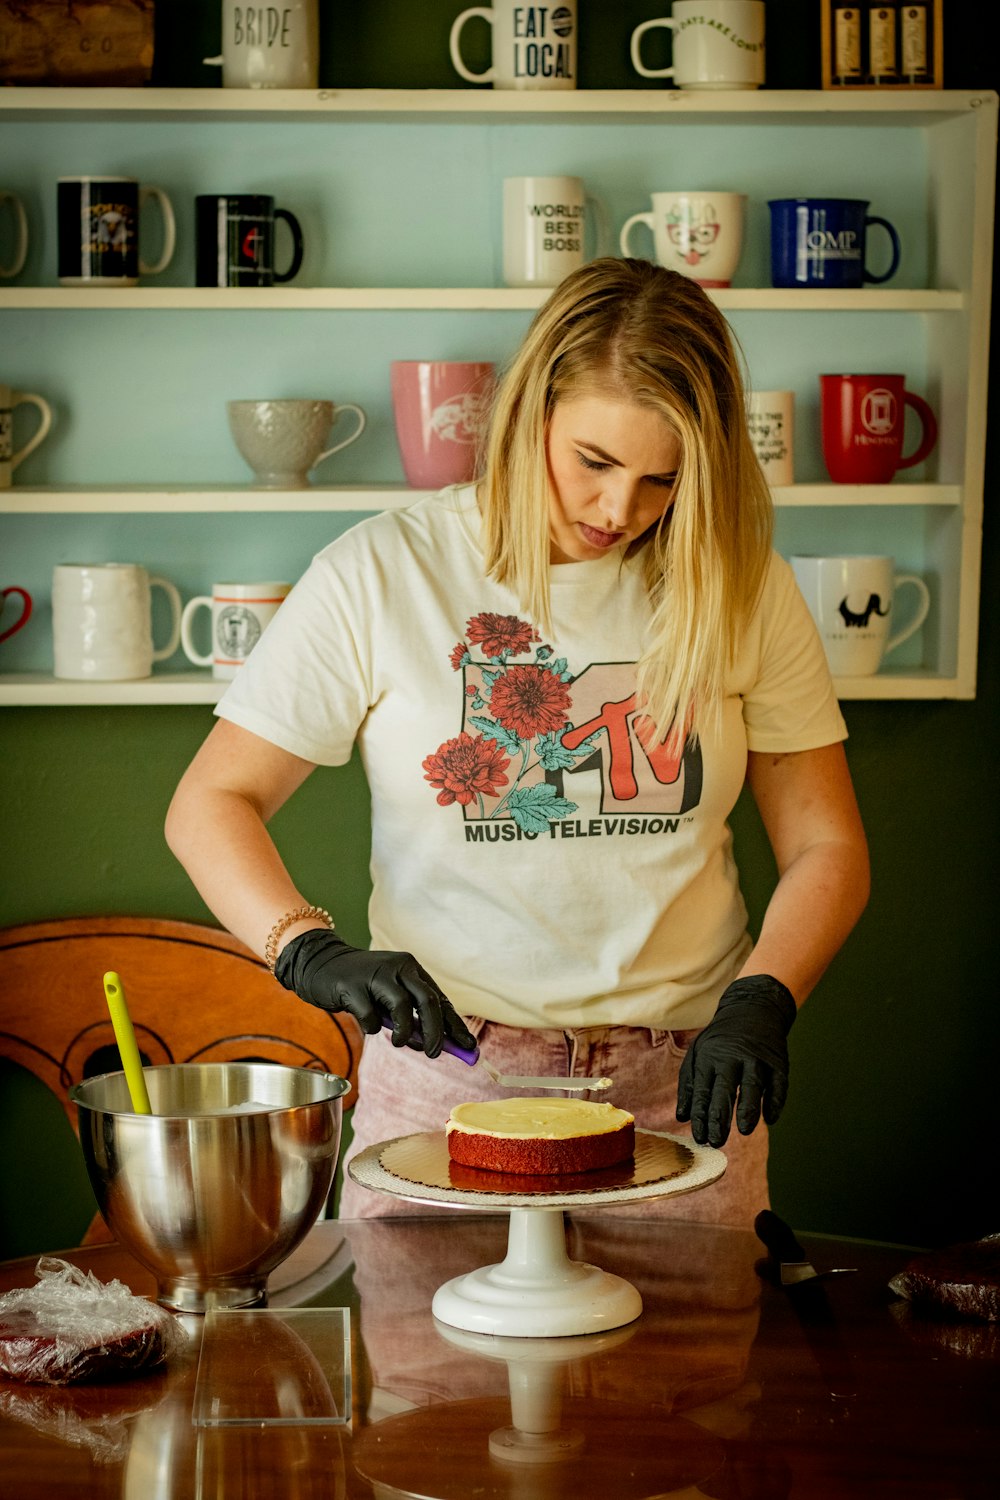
x,y
25,614
441,409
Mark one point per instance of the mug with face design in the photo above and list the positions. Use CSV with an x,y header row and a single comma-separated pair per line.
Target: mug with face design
x,y
98,230
699,233
533,46
851,598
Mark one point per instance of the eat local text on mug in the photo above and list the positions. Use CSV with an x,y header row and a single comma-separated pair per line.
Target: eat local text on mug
x,y
851,598
699,234
102,627
240,614
13,264
234,240
545,221
533,46
98,230
269,46
716,44
11,457
823,242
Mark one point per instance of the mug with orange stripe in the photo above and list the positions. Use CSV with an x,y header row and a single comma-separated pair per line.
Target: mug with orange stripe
x,y
240,614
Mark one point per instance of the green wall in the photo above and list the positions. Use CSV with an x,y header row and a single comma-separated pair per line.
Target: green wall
x,y
893,1079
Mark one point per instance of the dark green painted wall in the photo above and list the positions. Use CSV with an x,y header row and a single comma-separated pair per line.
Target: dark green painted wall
x,y
894,1069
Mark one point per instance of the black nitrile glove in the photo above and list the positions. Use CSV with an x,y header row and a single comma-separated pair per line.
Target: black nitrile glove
x,y
741,1051
372,986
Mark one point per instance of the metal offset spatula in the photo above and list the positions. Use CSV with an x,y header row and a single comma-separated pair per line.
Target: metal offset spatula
x,y
474,1059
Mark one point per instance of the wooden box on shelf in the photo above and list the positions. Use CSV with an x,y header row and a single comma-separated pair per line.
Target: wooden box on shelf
x,y
91,42
910,37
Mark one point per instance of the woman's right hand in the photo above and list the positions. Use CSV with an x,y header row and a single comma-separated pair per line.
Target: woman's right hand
x,y
373,986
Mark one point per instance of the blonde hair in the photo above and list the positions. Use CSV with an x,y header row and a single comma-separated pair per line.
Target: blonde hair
x,y
638,332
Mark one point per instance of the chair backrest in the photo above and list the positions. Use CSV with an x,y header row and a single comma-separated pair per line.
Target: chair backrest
x,y
195,994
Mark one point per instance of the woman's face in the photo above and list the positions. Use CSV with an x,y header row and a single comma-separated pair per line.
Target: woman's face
x,y
612,468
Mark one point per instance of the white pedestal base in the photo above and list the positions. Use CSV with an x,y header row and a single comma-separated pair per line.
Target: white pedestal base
x,y
537,1291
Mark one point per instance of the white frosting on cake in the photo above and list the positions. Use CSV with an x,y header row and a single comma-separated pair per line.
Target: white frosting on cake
x,y
538,1119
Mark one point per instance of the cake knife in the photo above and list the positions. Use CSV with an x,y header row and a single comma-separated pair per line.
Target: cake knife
x,y
474,1058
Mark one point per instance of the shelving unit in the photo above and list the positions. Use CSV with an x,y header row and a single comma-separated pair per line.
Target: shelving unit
x,y
355,158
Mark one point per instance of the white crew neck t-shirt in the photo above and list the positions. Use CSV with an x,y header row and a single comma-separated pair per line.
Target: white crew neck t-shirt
x,y
542,865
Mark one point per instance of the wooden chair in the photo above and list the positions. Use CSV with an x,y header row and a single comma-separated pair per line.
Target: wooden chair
x,y
195,994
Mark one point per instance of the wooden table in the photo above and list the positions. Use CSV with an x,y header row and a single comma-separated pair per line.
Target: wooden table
x,y
719,1389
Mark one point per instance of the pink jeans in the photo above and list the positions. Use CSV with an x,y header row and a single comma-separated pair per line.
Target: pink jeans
x,y
400,1092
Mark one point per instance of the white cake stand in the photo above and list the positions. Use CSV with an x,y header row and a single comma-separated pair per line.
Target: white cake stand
x,y
537,1291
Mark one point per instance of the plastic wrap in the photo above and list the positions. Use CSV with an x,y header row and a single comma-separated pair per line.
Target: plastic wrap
x,y
963,1280
72,1327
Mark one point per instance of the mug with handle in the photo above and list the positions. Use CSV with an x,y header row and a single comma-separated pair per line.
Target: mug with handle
x,y
533,46
10,457
545,228
715,44
102,621
862,427
851,598
240,612
698,233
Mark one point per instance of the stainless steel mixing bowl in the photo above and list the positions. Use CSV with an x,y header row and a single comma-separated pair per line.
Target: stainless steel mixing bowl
x,y
209,1200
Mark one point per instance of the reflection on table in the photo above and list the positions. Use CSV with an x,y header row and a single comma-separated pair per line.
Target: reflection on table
x,y
721,1388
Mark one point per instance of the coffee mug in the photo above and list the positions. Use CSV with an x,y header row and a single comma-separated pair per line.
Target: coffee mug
x,y
98,231
545,228
771,420
9,456
441,410
234,240
822,242
240,612
716,44
102,621
851,599
269,46
23,617
862,421
699,234
284,440
20,224
534,46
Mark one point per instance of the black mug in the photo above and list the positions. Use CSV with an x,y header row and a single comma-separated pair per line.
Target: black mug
x,y
234,235
98,230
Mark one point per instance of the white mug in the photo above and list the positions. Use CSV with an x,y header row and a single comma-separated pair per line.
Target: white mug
x,y
698,233
533,46
545,228
20,220
9,456
269,46
851,599
102,621
771,420
240,614
717,44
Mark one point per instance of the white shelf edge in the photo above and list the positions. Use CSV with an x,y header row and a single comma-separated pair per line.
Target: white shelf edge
x,y
442,299
38,500
41,690
484,103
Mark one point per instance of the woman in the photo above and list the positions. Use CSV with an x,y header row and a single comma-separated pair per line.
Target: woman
x,y
559,680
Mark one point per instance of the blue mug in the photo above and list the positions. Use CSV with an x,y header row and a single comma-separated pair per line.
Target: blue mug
x,y
821,242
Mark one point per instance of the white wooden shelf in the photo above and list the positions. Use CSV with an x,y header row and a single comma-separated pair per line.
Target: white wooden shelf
x,y
30,500
602,106
164,689
440,299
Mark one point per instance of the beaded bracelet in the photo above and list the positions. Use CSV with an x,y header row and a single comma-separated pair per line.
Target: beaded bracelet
x,y
283,924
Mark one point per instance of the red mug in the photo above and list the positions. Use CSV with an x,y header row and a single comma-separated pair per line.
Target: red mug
x,y
862,422
25,614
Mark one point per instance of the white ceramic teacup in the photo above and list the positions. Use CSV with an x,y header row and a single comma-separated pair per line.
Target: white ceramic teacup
x,y
284,440
102,621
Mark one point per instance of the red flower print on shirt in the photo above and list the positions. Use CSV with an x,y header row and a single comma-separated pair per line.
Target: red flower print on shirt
x,y
530,702
499,633
465,768
459,656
